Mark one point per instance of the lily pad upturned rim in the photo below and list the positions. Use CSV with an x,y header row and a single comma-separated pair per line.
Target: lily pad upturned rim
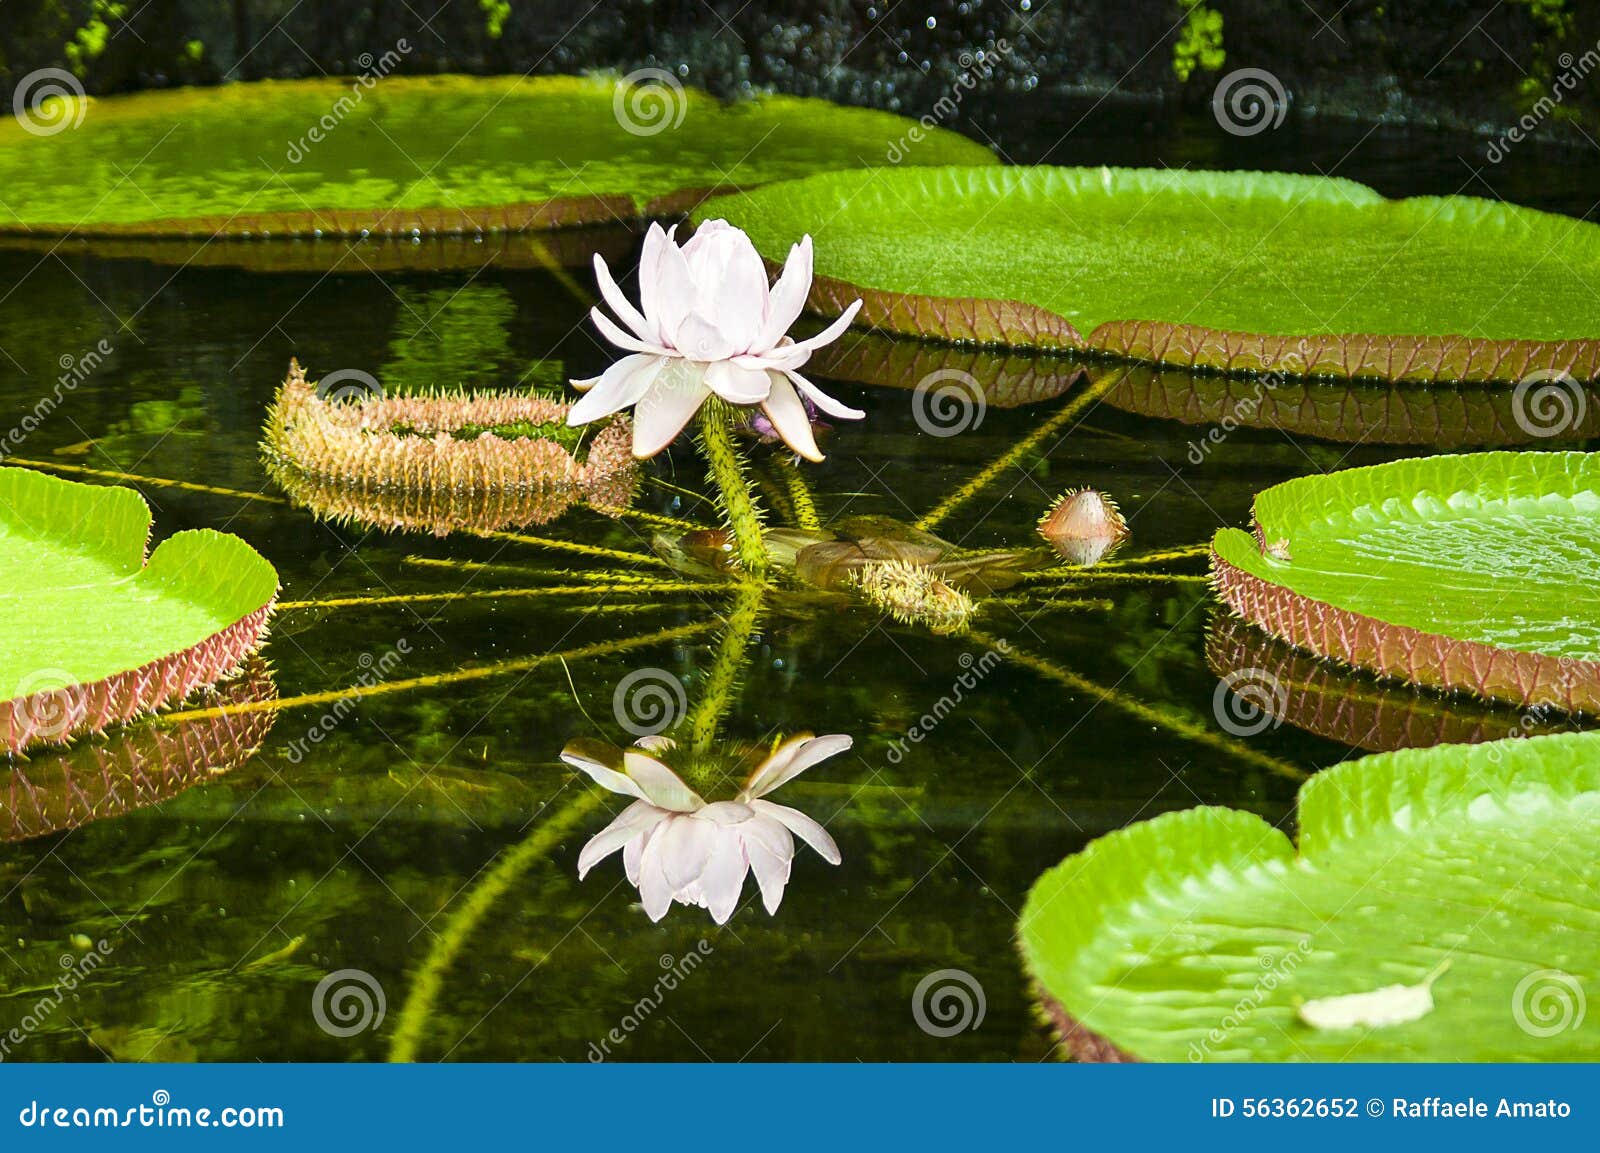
x,y
1416,359
1406,789
1394,650
115,523
544,214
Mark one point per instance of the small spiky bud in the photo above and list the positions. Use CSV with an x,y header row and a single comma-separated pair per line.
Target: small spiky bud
x,y
1084,525
398,462
915,594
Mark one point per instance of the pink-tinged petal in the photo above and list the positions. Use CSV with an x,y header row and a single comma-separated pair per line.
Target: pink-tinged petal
x,y
822,400
788,297
658,743
672,293
790,419
654,888
792,758
722,879
737,385
589,757
620,304
770,849
670,404
622,385
686,845
633,822
658,784
656,241
801,826
701,335
726,813
613,332
730,288
633,853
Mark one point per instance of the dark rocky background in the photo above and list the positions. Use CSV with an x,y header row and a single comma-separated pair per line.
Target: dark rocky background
x,y
1479,65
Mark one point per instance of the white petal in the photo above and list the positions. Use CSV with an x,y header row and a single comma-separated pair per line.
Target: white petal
x,y
737,385
633,822
672,292
670,404
658,784
633,853
822,400
770,848
613,332
656,240
792,758
631,316
722,879
578,756
787,298
620,386
803,827
790,419
701,335
654,888
832,333
686,846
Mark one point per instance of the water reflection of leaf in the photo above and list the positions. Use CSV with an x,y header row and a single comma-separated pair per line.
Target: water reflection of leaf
x,y
137,767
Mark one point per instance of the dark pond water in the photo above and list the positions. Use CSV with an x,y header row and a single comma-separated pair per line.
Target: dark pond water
x,y
224,905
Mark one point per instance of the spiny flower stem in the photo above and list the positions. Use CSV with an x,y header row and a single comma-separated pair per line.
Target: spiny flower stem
x,y
738,504
805,508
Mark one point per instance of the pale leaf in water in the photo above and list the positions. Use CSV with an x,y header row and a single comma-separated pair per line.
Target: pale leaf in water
x,y
1390,1005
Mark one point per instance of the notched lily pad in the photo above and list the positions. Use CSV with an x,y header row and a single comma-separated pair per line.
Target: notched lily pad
x,y
1474,573
1235,271
423,154
92,632
1204,935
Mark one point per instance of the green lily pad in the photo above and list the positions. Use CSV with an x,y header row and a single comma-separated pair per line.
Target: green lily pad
x,y
1475,573
1302,275
1197,936
93,633
430,154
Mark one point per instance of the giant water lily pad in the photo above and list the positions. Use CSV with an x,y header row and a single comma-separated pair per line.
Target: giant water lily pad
x,y
1200,934
432,154
91,631
1476,573
1226,270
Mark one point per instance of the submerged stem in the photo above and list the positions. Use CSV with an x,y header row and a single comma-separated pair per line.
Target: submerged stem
x,y
732,650
738,504
805,508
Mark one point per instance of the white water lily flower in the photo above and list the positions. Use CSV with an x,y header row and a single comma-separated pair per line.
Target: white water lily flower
x,y
709,325
677,847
